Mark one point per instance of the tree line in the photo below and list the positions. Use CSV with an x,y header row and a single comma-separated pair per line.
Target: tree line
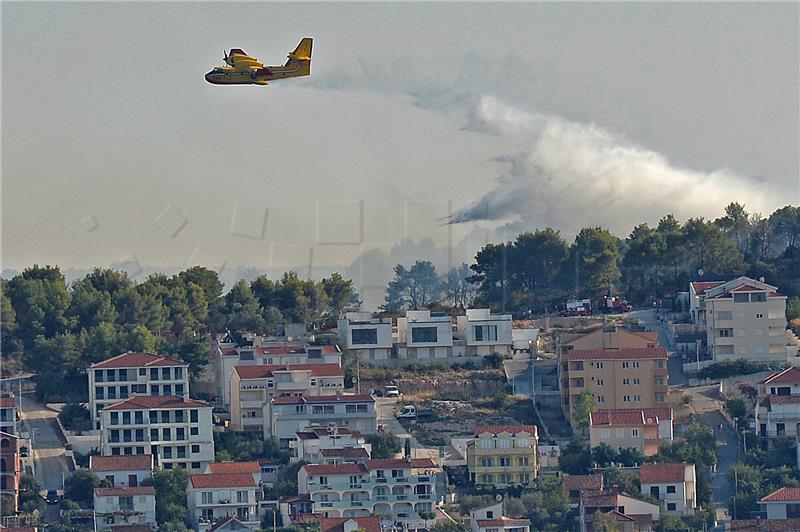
x,y
57,331
539,268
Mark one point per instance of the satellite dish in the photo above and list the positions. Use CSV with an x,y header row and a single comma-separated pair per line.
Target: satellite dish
x,y
761,278
36,513
700,272
498,497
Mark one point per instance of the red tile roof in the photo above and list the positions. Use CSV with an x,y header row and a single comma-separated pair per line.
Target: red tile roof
x,y
700,287
7,401
783,495
137,360
583,482
159,401
401,463
504,521
790,375
630,416
131,528
510,429
313,399
350,452
317,370
223,480
113,492
383,463
616,354
771,400
226,468
661,473
368,524
134,462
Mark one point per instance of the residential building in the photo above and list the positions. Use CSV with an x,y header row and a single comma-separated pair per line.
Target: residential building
x,y
744,318
617,378
485,333
131,374
216,495
631,513
289,415
122,471
176,431
503,455
252,386
230,468
609,337
576,485
490,518
402,492
674,485
777,410
260,351
423,336
644,429
232,523
309,444
783,503
764,525
368,338
350,524
8,414
10,470
125,505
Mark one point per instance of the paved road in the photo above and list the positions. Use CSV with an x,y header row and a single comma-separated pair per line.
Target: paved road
x,y
650,320
727,455
386,408
50,461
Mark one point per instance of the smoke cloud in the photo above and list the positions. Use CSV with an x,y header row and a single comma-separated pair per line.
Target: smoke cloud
x,y
567,174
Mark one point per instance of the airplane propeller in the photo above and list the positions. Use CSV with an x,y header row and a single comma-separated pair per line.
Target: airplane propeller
x,y
225,56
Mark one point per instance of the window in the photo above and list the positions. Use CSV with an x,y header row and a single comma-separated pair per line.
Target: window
x,y
195,449
153,434
486,443
167,389
139,434
758,297
504,443
600,399
620,433
671,506
626,382
323,481
153,416
179,416
599,382
138,417
635,381
167,452
741,298
364,336
115,418
599,365
166,434
523,461
193,431
636,364
126,503
114,436
123,374
193,416
126,418
155,389
300,409
181,451
178,374
505,461
635,433
670,489
637,398
759,315
725,333
626,364
523,443
328,409
207,497
165,416
195,465
626,398
241,496
180,433
111,375
98,375
153,374
605,433
165,374
424,335
115,451
485,333
142,372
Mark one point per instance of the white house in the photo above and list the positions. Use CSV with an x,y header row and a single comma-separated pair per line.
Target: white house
x,y
315,443
122,471
252,386
490,518
211,497
131,374
783,503
228,468
423,336
8,414
485,333
401,492
176,431
289,415
125,506
777,410
674,485
370,339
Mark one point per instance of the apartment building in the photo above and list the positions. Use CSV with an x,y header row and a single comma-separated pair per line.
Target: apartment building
x,y
124,506
401,492
630,513
312,444
777,409
350,524
8,414
609,337
485,333
674,485
577,485
503,455
423,336
122,471
617,378
252,386
289,415
644,429
176,431
490,518
10,471
211,497
370,339
133,374
259,352
744,318
783,503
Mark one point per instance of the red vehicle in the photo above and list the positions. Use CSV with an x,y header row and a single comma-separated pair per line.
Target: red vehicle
x,y
614,304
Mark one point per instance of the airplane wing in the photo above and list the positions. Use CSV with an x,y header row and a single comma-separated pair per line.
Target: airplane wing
x,y
243,62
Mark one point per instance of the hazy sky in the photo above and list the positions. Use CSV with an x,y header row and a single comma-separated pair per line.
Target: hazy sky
x,y
497,115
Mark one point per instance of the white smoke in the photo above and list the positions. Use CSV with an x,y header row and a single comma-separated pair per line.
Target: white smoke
x,y
567,175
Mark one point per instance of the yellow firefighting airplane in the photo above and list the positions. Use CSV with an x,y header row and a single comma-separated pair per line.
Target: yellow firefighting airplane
x,y
242,69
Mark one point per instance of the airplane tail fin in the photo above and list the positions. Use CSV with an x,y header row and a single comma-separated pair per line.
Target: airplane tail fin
x,y
303,50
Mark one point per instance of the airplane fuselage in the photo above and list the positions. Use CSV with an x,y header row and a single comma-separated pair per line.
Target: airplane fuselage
x,y
230,76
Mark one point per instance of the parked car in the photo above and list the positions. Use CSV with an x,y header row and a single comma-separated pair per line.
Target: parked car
x,y
52,497
392,391
408,411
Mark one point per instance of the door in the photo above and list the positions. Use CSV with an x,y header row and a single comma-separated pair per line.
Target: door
x,y
133,481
